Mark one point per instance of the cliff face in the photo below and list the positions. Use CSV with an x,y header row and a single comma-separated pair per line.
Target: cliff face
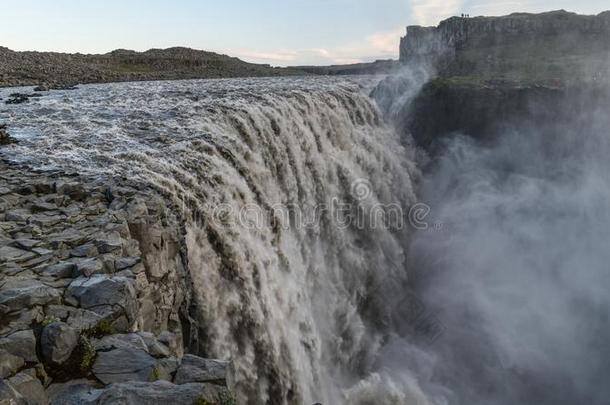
x,y
520,45
420,43
494,73
444,108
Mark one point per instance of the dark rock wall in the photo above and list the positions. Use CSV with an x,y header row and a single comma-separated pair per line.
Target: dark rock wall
x,y
444,108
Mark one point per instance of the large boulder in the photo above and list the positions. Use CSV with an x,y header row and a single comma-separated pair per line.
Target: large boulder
x,y
13,254
123,364
59,270
83,319
14,321
21,344
119,341
110,243
78,318
112,297
19,294
28,385
57,342
69,236
9,395
197,369
9,364
86,250
89,267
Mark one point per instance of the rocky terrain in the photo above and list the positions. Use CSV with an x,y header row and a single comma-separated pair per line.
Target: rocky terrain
x,y
53,70
94,296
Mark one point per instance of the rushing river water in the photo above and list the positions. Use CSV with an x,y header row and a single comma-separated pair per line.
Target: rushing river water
x,y
297,202
284,185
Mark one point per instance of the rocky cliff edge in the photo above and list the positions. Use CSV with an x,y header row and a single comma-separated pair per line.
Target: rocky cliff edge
x,y
94,296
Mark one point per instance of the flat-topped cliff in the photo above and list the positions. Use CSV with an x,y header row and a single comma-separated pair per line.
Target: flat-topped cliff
x,y
517,46
486,74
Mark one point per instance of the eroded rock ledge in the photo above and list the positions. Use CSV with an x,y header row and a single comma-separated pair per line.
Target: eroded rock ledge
x,y
94,296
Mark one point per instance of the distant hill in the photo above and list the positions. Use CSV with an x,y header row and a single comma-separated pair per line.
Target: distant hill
x,y
60,69
377,67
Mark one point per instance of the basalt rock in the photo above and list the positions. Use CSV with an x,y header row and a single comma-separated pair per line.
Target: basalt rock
x,y
57,342
9,364
9,395
96,300
123,364
21,344
196,369
30,387
112,297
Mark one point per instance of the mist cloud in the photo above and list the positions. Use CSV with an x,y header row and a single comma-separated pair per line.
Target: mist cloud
x,y
519,276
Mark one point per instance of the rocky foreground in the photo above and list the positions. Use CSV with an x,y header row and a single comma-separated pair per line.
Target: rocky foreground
x,y
93,295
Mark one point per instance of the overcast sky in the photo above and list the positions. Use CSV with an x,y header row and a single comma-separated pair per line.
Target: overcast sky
x,y
279,32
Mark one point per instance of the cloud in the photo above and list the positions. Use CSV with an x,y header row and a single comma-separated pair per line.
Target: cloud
x,y
283,57
385,42
430,12
378,45
498,7
266,57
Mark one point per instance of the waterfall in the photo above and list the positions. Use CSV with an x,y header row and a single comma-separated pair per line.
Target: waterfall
x,y
293,194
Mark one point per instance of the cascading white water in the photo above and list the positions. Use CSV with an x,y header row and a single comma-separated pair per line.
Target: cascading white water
x,y
283,185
